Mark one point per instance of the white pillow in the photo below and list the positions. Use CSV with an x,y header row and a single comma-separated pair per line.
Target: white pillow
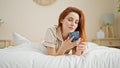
x,y
25,43
18,39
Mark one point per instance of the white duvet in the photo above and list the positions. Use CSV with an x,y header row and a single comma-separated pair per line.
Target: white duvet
x,y
33,55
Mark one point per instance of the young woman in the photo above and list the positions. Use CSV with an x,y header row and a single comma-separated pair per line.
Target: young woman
x,y
57,40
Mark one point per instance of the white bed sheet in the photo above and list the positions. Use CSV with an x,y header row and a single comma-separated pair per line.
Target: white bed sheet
x,y
34,56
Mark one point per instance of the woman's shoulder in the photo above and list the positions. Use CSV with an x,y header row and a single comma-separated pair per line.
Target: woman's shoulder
x,y
53,28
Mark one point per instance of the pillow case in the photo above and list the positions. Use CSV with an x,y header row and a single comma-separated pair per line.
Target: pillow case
x,y
19,39
22,43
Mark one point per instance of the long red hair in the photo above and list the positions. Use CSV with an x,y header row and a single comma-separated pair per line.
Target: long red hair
x,y
81,24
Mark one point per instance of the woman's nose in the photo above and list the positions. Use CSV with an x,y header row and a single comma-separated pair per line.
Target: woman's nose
x,y
72,23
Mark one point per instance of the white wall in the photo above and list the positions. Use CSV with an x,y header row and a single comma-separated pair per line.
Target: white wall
x,y
32,20
117,19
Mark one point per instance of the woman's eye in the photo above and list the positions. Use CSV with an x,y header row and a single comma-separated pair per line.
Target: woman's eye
x,y
69,19
76,22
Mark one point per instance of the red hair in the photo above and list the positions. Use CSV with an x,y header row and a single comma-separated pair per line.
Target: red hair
x,y
81,24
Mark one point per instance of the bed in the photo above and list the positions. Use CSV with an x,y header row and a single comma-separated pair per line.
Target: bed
x,y
26,54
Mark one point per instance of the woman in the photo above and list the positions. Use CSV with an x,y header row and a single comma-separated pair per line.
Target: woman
x,y
57,41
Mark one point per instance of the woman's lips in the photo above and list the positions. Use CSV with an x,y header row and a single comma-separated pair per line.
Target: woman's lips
x,y
71,28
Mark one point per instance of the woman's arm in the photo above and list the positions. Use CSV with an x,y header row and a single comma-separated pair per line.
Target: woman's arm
x,y
64,47
52,51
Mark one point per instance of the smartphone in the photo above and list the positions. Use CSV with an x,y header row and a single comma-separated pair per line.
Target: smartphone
x,y
75,34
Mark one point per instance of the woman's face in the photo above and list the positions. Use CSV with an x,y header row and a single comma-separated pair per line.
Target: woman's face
x,y
70,22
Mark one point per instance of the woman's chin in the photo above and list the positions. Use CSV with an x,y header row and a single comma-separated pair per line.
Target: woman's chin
x,y
72,30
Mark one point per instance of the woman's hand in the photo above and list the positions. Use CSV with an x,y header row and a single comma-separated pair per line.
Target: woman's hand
x,y
80,48
67,44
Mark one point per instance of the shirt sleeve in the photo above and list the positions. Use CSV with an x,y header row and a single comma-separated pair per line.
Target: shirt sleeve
x,y
50,38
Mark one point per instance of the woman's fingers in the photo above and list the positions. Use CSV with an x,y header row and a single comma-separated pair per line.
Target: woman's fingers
x,y
79,39
76,43
81,47
70,39
69,44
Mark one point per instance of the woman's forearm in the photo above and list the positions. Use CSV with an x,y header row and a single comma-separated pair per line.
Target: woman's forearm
x,y
61,51
53,52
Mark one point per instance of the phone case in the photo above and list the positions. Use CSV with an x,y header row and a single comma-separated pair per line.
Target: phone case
x,y
75,34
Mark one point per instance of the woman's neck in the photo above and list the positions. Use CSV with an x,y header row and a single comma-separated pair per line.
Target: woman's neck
x,y
64,35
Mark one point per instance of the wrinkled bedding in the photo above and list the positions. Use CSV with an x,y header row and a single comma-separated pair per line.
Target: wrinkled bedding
x,y
34,55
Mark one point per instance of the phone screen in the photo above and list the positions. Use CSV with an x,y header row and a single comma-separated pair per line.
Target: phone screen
x,y
75,34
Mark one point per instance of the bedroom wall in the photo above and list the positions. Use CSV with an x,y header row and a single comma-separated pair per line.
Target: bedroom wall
x,y
117,19
31,20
